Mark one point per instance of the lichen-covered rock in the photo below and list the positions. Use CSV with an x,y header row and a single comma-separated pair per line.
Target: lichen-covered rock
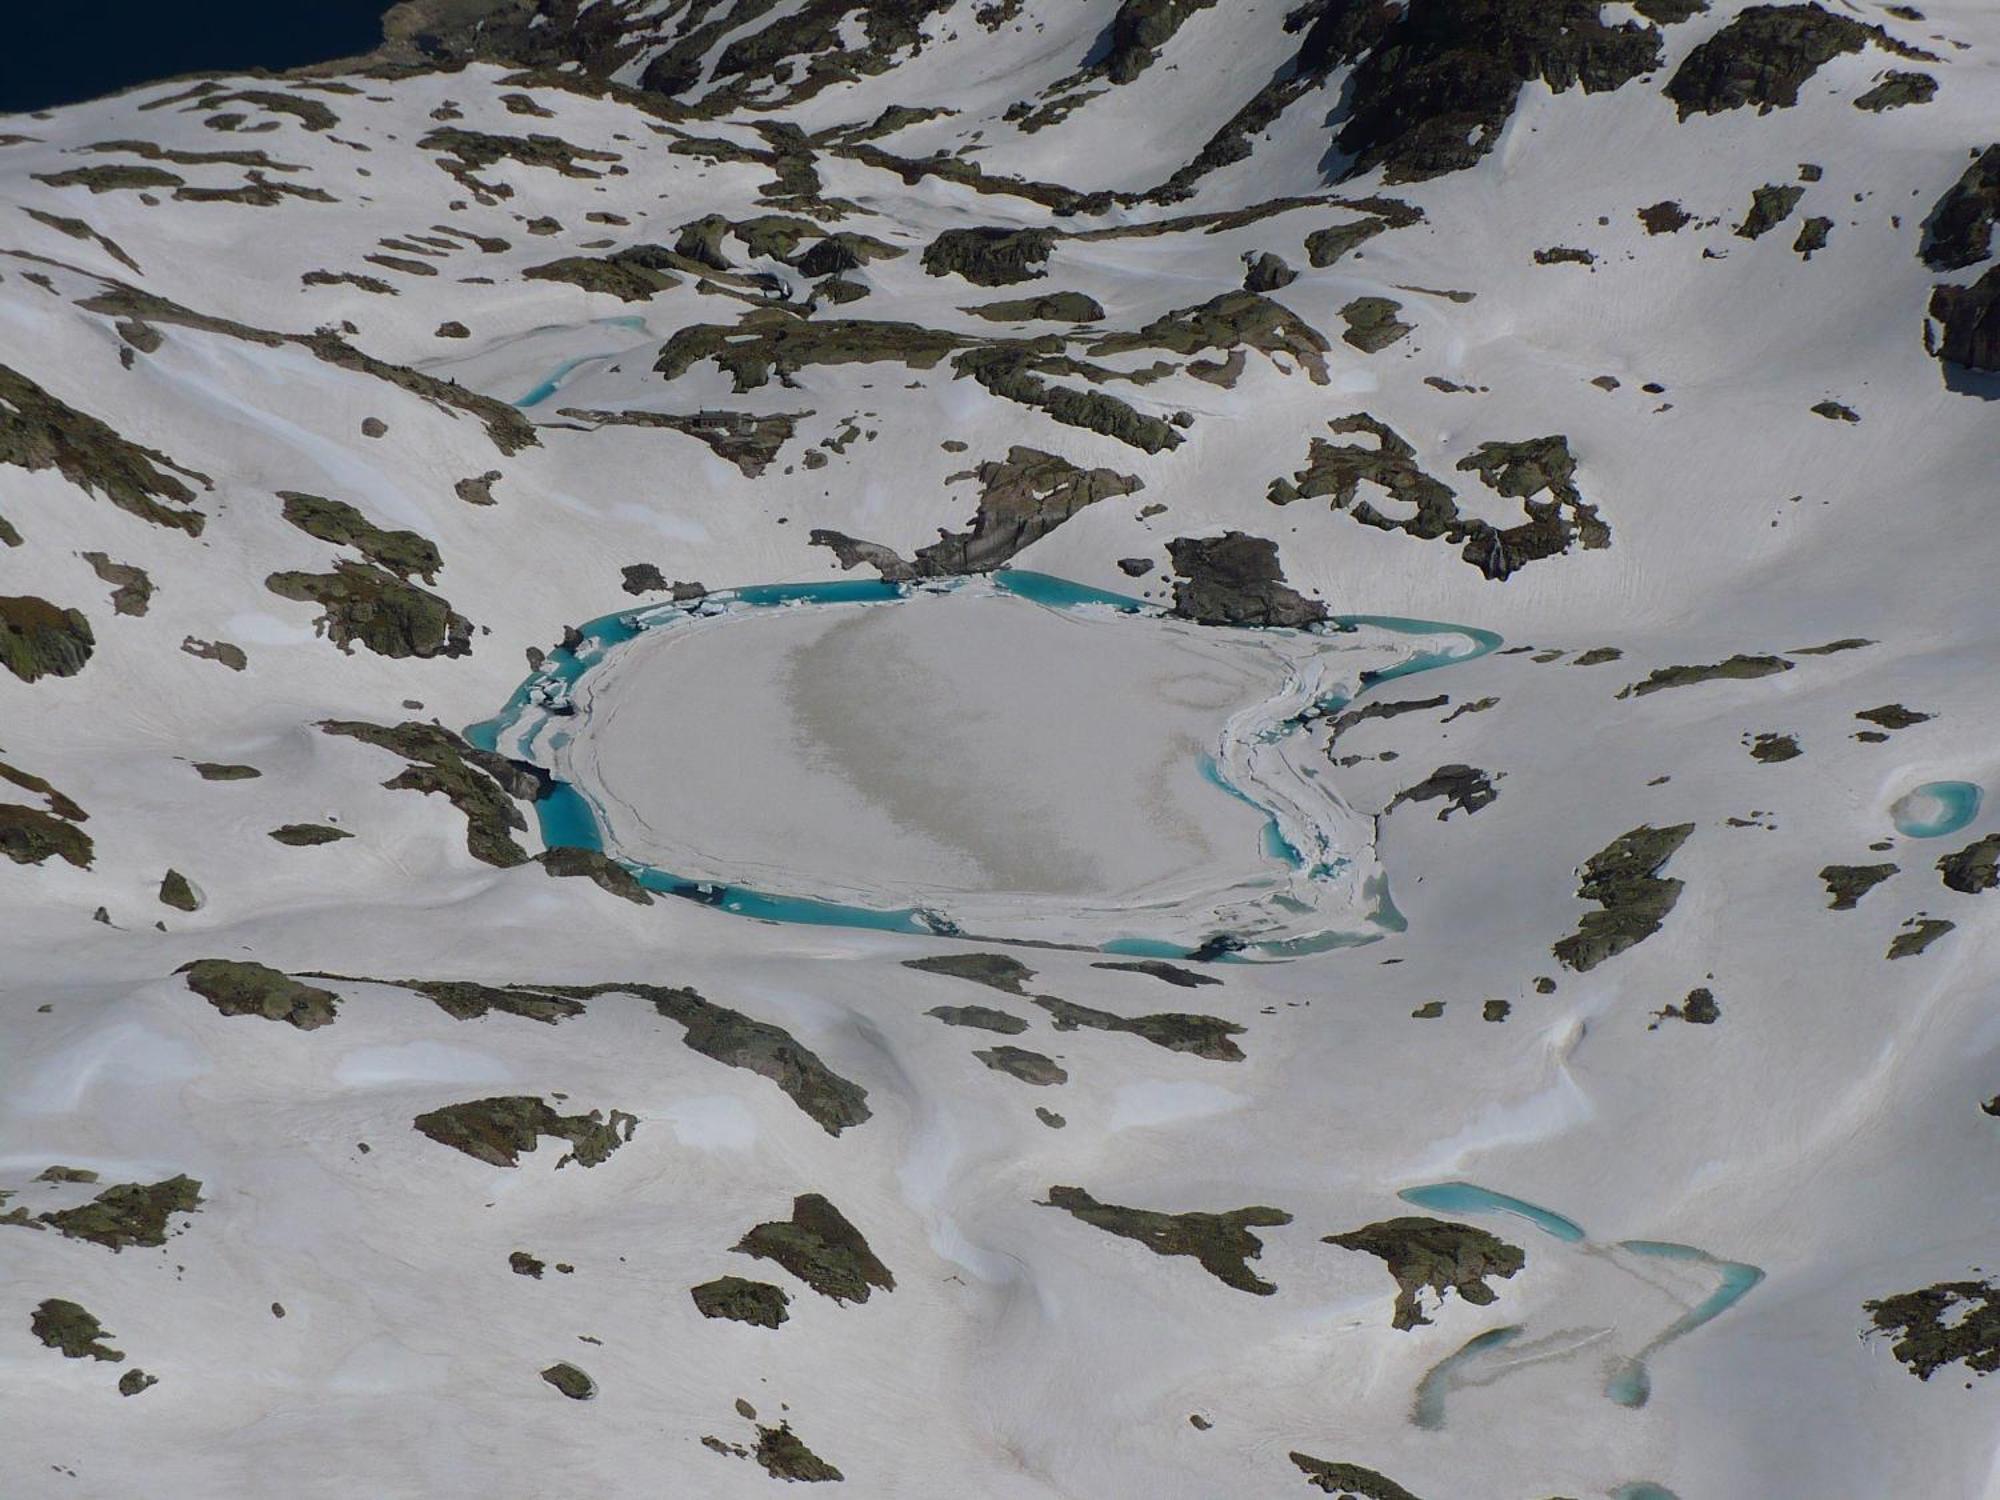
x,y
1763,56
1435,1255
1463,789
308,835
1949,1323
480,784
770,341
29,835
1052,307
742,1301
1000,971
127,1213
980,1017
782,1454
1023,497
366,604
820,1247
238,987
634,274
1204,1036
1372,324
742,438
131,589
1440,83
1233,320
1847,884
498,1129
1623,878
1738,668
1974,868
1959,230
1235,579
593,865
832,1102
1019,1062
1173,974
400,552
1898,90
1968,319
40,639
176,891
1540,472
571,1381
1221,1244
1349,1481
1918,934
64,1325
990,256
1139,29
1770,206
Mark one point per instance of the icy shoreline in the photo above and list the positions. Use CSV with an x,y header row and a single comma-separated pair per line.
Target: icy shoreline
x,y
1321,886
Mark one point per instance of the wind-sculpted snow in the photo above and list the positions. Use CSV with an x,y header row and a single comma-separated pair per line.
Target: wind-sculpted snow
x,y
802,487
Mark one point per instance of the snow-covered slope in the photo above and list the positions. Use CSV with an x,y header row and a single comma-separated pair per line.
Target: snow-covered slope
x,y
329,404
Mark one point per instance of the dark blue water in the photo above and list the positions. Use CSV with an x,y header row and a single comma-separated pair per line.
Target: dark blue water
x,y
62,51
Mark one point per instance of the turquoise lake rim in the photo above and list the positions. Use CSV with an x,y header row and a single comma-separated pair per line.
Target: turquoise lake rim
x,y
567,820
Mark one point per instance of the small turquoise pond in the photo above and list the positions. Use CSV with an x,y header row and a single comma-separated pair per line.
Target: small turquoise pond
x,y
1935,809
1467,1198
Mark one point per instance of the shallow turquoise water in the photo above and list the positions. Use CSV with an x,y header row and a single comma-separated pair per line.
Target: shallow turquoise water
x,y
567,820
1467,1198
1631,1384
1436,1385
556,377
1935,809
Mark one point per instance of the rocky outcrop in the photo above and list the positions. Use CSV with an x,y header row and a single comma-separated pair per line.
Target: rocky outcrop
x,y
366,605
635,274
1968,321
238,987
742,1301
1441,81
990,257
1221,1244
480,784
1624,879
29,835
1959,230
1540,472
1434,1255
39,639
498,1130
820,1247
1235,579
1765,54
745,439
1949,1323
1138,31
400,552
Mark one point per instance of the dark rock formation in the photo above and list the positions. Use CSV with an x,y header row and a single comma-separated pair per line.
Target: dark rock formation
x,y
1623,878
1235,579
480,784
1968,319
400,552
1974,868
1019,1062
1463,788
1949,1323
1221,1243
1204,1036
366,604
820,1247
1736,669
129,1213
238,987
1847,884
1959,231
499,1129
742,1301
40,639
991,256
66,1326
1435,1255
1764,54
